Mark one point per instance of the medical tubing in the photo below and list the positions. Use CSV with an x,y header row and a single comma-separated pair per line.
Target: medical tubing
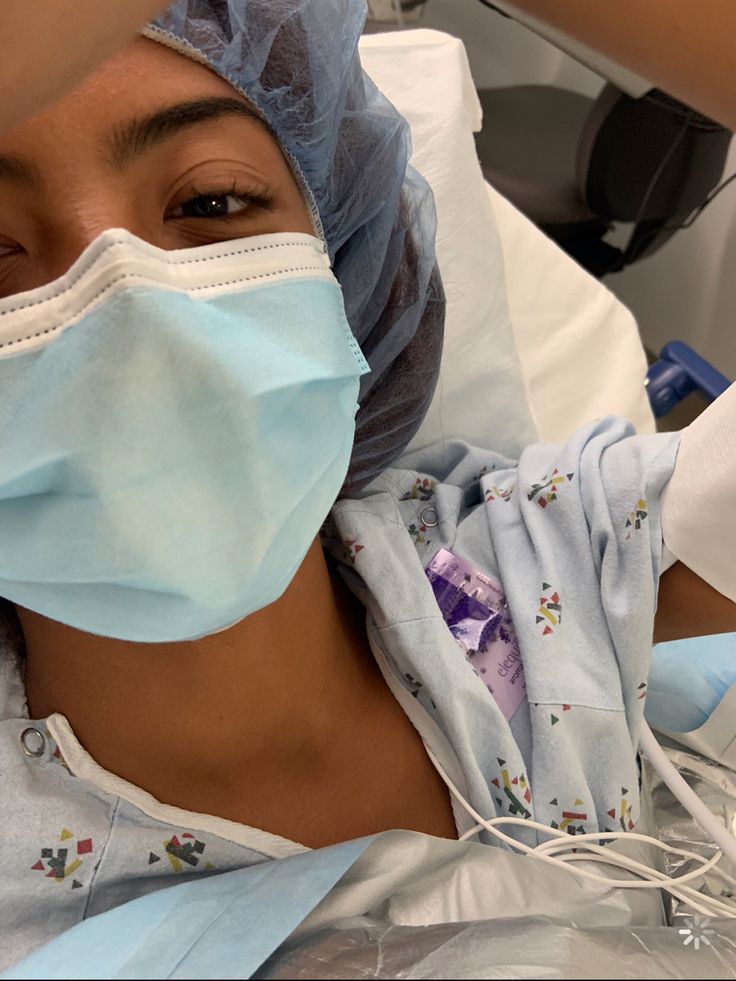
x,y
685,794
605,856
575,843
674,885
581,841
590,840
685,893
563,840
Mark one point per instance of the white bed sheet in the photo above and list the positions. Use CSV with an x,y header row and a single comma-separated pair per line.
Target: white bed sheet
x,y
579,346
481,395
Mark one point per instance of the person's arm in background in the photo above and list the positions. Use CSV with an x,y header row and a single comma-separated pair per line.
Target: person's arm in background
x,y
685,47
689,607
48,46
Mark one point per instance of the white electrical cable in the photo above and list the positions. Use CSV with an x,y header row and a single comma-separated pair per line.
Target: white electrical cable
x,y
590,840
685,794
590,852
573,842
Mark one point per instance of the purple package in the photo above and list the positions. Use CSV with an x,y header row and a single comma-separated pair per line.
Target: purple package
x,y
474,608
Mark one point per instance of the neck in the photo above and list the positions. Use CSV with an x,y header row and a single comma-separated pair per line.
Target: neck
x,y
271,689
280,722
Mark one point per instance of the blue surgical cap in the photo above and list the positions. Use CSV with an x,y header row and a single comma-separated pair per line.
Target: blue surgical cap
x,y
297,62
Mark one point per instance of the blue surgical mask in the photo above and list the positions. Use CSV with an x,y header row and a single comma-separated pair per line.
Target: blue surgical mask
x,y
174,428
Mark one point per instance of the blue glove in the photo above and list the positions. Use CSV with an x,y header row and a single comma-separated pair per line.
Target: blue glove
x,y
688,678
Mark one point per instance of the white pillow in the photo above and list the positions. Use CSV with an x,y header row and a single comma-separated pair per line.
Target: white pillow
x,y
481,395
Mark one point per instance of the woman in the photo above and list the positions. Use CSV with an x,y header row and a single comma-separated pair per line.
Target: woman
x,y
188,686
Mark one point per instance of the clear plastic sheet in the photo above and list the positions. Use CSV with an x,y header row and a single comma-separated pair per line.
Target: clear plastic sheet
x,y
716,787
571,940
519,948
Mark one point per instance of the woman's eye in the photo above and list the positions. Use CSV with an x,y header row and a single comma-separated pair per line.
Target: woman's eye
x,y
211,206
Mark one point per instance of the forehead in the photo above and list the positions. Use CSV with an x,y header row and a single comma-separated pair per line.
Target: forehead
x,y
145,61
136,81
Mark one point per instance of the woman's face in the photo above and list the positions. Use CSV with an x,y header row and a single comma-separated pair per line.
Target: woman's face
x,y
152,142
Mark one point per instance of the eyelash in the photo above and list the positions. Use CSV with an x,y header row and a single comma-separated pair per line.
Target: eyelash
x,y
7,250
251,200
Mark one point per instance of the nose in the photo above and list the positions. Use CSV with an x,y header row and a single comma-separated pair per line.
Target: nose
x,y
74,230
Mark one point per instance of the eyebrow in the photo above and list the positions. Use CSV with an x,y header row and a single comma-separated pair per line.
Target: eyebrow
x,y
141,134
19,171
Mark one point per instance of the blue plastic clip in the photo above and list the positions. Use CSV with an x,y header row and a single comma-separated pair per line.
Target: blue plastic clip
x,y
680,371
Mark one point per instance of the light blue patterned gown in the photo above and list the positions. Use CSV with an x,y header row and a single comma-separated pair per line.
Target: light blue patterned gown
x,y
572,533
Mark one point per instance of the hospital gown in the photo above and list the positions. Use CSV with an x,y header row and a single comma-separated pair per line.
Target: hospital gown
x,y
572,535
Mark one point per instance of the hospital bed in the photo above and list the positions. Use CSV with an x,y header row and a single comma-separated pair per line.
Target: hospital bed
x,y
547,344
535,347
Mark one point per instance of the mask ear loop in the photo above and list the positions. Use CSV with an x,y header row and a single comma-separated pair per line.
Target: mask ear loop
x,y
586,850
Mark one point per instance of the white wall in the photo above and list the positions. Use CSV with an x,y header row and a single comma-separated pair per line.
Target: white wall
x,y
687,290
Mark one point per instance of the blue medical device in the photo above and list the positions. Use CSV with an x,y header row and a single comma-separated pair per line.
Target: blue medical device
x,y
680,371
